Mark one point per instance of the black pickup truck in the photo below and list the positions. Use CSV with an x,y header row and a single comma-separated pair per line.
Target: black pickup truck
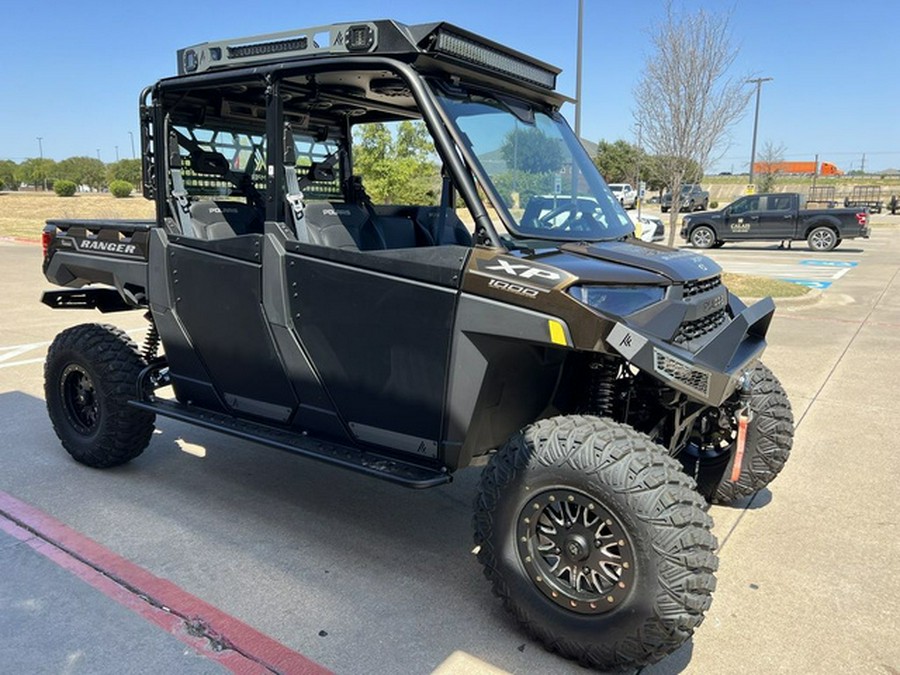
x,y
772,217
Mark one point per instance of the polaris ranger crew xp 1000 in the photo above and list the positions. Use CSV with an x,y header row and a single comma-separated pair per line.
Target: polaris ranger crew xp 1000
x,y
473,296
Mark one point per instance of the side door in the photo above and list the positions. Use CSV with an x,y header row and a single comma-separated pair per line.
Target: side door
x,y
776,217
742,221
377,328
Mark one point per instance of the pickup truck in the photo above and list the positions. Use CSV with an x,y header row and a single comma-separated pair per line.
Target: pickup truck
x,y
693,198
626,194
777,216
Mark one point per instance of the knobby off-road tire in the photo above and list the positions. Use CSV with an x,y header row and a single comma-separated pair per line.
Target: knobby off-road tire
x,y
770,436
90,374
633,518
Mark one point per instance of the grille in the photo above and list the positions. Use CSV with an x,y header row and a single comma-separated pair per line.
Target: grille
x,y
692,288
691,330
676,370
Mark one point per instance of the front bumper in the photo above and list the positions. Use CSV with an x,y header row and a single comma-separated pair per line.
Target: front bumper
x,y
711,374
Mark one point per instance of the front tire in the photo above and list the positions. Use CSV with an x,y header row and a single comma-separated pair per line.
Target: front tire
x,y
703,237
90,375
822,239
596,541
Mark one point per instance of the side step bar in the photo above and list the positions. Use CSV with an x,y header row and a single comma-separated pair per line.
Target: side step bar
x,y
361,461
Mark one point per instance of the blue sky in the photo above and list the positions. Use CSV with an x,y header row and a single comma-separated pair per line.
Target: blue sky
x,y
71,72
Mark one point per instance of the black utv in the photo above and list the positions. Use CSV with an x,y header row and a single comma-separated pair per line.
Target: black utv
x,y
386,250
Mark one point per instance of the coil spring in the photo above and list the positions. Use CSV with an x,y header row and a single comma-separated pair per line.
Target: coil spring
x,y
602,386
151,342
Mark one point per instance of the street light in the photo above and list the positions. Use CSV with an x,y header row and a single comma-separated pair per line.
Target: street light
x,y
117,152
758,82
131,135
98,154
41,151
578,71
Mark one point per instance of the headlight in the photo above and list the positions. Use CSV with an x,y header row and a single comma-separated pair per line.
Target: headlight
x,y
618,300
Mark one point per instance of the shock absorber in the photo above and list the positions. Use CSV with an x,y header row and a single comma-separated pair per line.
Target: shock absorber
x,y
151,341
604,370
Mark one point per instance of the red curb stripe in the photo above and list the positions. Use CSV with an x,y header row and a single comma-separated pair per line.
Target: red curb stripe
x,y
251,652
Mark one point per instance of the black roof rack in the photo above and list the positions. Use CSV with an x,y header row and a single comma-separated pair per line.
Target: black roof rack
x,y
439,40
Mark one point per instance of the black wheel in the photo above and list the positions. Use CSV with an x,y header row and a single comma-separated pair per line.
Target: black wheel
x,y
664,209
709,457
596,541
703,237
822,238
90,374
838,242
702,206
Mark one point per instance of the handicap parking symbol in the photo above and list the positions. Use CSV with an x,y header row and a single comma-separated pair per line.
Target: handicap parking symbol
x,y
811,283
829,263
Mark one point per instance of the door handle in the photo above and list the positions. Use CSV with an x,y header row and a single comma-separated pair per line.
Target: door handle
x,y
787,217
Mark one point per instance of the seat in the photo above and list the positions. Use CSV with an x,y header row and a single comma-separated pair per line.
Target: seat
x,y
452,232
223,219
344,226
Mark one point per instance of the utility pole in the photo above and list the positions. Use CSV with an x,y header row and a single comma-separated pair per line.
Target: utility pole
x,y
862,166
578,70
117,152
43,172
131,135
98,154
758,82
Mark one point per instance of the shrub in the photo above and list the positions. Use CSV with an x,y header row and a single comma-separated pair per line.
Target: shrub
x,y
64,188
121,188
714,205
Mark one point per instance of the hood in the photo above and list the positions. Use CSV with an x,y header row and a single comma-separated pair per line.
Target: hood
x,y
676,265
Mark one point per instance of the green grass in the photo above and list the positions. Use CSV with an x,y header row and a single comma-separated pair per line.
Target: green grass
x,y
749,286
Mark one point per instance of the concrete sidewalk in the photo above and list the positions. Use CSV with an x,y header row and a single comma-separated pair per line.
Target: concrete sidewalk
x,y
68,605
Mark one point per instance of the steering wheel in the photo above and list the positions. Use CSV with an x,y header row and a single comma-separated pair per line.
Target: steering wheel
x,y
577,218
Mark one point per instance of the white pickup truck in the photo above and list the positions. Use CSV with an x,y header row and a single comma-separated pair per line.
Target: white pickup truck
x,y
626,194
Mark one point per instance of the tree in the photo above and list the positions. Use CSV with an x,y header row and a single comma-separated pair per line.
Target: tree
x,y
619,162
532,151
767,168
8,175
35,171
396,163
657,176
685,101
128,170
82,171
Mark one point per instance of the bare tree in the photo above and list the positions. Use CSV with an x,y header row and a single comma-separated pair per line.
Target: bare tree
x,y
769,166
685,101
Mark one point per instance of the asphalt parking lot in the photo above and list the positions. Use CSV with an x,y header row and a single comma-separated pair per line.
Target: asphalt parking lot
x,y
365,577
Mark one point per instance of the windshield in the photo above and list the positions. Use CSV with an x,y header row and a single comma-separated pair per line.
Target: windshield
x,y
547,186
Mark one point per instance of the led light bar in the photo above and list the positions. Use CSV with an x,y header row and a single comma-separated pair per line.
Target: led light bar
x,y
485,56
334,39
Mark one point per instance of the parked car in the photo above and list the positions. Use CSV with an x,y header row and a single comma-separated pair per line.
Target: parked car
x,y
693,198
626,194
775,217
649,228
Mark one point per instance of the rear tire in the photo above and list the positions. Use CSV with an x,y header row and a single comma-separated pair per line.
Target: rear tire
x,y
596,541
90,375
822,239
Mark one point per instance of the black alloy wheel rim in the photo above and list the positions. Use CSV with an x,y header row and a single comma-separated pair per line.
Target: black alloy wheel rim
x,y
575,551
79,399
